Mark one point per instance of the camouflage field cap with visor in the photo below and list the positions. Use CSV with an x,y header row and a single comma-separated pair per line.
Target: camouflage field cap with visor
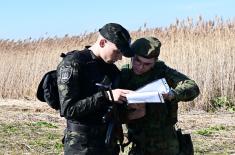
x,y
118,35
148,47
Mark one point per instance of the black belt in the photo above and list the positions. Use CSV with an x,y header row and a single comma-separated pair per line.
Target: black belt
x,y
75,127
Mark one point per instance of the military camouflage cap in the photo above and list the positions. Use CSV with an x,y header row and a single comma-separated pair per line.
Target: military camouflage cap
x,y
148,47
118,35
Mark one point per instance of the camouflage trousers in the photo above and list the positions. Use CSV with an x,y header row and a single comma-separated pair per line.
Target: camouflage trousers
x,y
135,150
76,143
155,142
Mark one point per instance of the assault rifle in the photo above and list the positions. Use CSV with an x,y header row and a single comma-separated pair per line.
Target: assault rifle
x,y
112,117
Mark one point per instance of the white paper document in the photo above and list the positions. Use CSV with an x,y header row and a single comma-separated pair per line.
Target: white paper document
x,y
150,93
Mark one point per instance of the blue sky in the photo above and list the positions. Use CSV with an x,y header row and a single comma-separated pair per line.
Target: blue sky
x,y
21,19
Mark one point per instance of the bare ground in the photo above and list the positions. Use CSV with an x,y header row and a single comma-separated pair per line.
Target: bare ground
x,y
212,133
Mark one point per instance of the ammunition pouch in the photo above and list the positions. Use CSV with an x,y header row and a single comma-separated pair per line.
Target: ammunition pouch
x,y
185,143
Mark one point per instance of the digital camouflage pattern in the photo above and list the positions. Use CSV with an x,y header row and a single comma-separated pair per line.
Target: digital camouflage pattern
x,y
148,47
155,132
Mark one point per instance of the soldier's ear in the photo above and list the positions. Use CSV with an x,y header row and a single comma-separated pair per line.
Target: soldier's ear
x,y
102,42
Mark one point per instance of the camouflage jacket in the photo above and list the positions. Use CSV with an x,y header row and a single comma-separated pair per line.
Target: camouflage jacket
x,y
80,98
153,129
184,88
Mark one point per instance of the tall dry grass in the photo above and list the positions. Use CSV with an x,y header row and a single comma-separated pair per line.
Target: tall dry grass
x,y
204,50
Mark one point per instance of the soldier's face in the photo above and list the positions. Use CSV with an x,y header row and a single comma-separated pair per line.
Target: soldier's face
x,y
111,53
142,65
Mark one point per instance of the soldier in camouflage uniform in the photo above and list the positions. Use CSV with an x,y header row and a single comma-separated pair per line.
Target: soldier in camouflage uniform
x,y
155,133
82,102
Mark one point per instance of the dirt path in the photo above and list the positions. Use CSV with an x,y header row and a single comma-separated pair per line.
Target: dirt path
x,y
212,133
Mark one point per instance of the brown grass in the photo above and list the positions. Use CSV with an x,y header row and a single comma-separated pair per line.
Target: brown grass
x,y
204,50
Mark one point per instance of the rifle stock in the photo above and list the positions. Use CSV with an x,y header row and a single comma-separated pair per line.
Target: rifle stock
x,y
112,118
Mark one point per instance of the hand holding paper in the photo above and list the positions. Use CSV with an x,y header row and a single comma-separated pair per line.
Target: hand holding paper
x,y
136,111
150,93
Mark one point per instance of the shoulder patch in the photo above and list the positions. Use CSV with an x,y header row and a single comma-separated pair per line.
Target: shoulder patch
x,y
65,73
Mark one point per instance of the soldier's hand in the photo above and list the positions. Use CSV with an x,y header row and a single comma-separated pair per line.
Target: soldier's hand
x,y
119,95
136,106
136,111
169,96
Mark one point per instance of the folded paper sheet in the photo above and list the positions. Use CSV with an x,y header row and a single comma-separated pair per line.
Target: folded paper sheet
x,y
150,93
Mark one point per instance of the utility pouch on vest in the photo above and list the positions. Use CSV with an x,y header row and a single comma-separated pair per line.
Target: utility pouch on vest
x,y
185,143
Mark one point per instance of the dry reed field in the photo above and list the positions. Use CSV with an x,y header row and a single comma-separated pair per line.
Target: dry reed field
x,y
204,50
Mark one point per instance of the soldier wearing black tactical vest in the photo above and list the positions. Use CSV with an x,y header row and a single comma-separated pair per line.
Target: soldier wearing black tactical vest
x,y
83,103
151,128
